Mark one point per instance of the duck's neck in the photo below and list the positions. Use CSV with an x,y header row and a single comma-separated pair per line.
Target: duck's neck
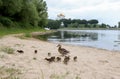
x,y
59,47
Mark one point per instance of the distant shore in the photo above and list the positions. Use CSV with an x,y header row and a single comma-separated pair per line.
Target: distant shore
x,y
89,29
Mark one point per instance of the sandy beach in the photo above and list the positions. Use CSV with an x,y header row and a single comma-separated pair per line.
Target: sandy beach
x,y
92,63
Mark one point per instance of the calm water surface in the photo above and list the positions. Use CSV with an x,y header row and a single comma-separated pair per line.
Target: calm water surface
x,y
105,39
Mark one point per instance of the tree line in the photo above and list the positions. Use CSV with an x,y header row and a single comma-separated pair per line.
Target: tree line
x,y
23,13
33,13
75,23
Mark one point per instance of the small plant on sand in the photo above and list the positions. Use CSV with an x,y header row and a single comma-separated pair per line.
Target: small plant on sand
x,y
9,73
7,49
2,56
18,45
77,77
27,35
56,76
34,58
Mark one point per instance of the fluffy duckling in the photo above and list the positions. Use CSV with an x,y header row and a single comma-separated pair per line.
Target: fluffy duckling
x,y
20,51
62,50
48,59
52,59
75,58
66,59
58,59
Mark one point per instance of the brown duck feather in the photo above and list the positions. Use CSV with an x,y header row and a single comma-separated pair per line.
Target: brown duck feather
x,y
62,51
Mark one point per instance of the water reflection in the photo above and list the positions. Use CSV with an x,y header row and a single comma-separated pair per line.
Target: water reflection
x,y
66,36
105,39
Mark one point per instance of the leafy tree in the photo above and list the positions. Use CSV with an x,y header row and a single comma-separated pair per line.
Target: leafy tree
x,y
53,24
118,24
93,21
0,2
66,22
83,21
29,13
103,25
41,7
10,7
25,12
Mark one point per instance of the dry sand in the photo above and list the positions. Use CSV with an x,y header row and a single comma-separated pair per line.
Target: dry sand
x,y
92,63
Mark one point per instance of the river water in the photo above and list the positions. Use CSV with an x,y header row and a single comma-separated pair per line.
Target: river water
x,y
104,39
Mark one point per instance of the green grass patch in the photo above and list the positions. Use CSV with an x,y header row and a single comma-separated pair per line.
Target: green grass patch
x,y
77,77
28,35
34,58
9,73
25,36
7,49
2,56
56,76
27,31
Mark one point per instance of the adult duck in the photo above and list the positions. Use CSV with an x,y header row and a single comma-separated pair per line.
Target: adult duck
x,y
62,51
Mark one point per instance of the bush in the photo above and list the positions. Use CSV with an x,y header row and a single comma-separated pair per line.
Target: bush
x,y
6,21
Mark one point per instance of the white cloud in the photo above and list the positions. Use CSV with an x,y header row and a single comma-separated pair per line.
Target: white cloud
x,y
106,11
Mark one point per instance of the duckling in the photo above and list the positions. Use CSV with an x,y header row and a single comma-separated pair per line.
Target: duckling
x,y
20,51
48,59
52,59
75,58
35,51
58,59
62,50
49,54
66,59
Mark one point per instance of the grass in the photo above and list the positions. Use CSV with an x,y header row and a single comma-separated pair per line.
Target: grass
x,y
63,76
77,77
27,35
7,49
2,56
26,31
9,73
34,58
56,76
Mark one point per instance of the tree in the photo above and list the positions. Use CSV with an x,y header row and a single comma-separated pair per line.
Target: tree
x,y
10,7
74,25
103,25
53,24
0,2
41,7
118,24
93,21
29,13
25,12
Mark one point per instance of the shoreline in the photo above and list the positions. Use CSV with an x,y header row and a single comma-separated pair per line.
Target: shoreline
x,y
92,63
84,46
96,48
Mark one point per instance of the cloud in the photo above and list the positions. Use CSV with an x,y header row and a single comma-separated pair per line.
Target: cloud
x,y
106,11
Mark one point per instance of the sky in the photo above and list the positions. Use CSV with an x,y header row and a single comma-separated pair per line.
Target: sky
x,y
105,11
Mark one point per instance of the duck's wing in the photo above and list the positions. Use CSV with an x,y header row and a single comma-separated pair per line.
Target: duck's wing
x,y
64,50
